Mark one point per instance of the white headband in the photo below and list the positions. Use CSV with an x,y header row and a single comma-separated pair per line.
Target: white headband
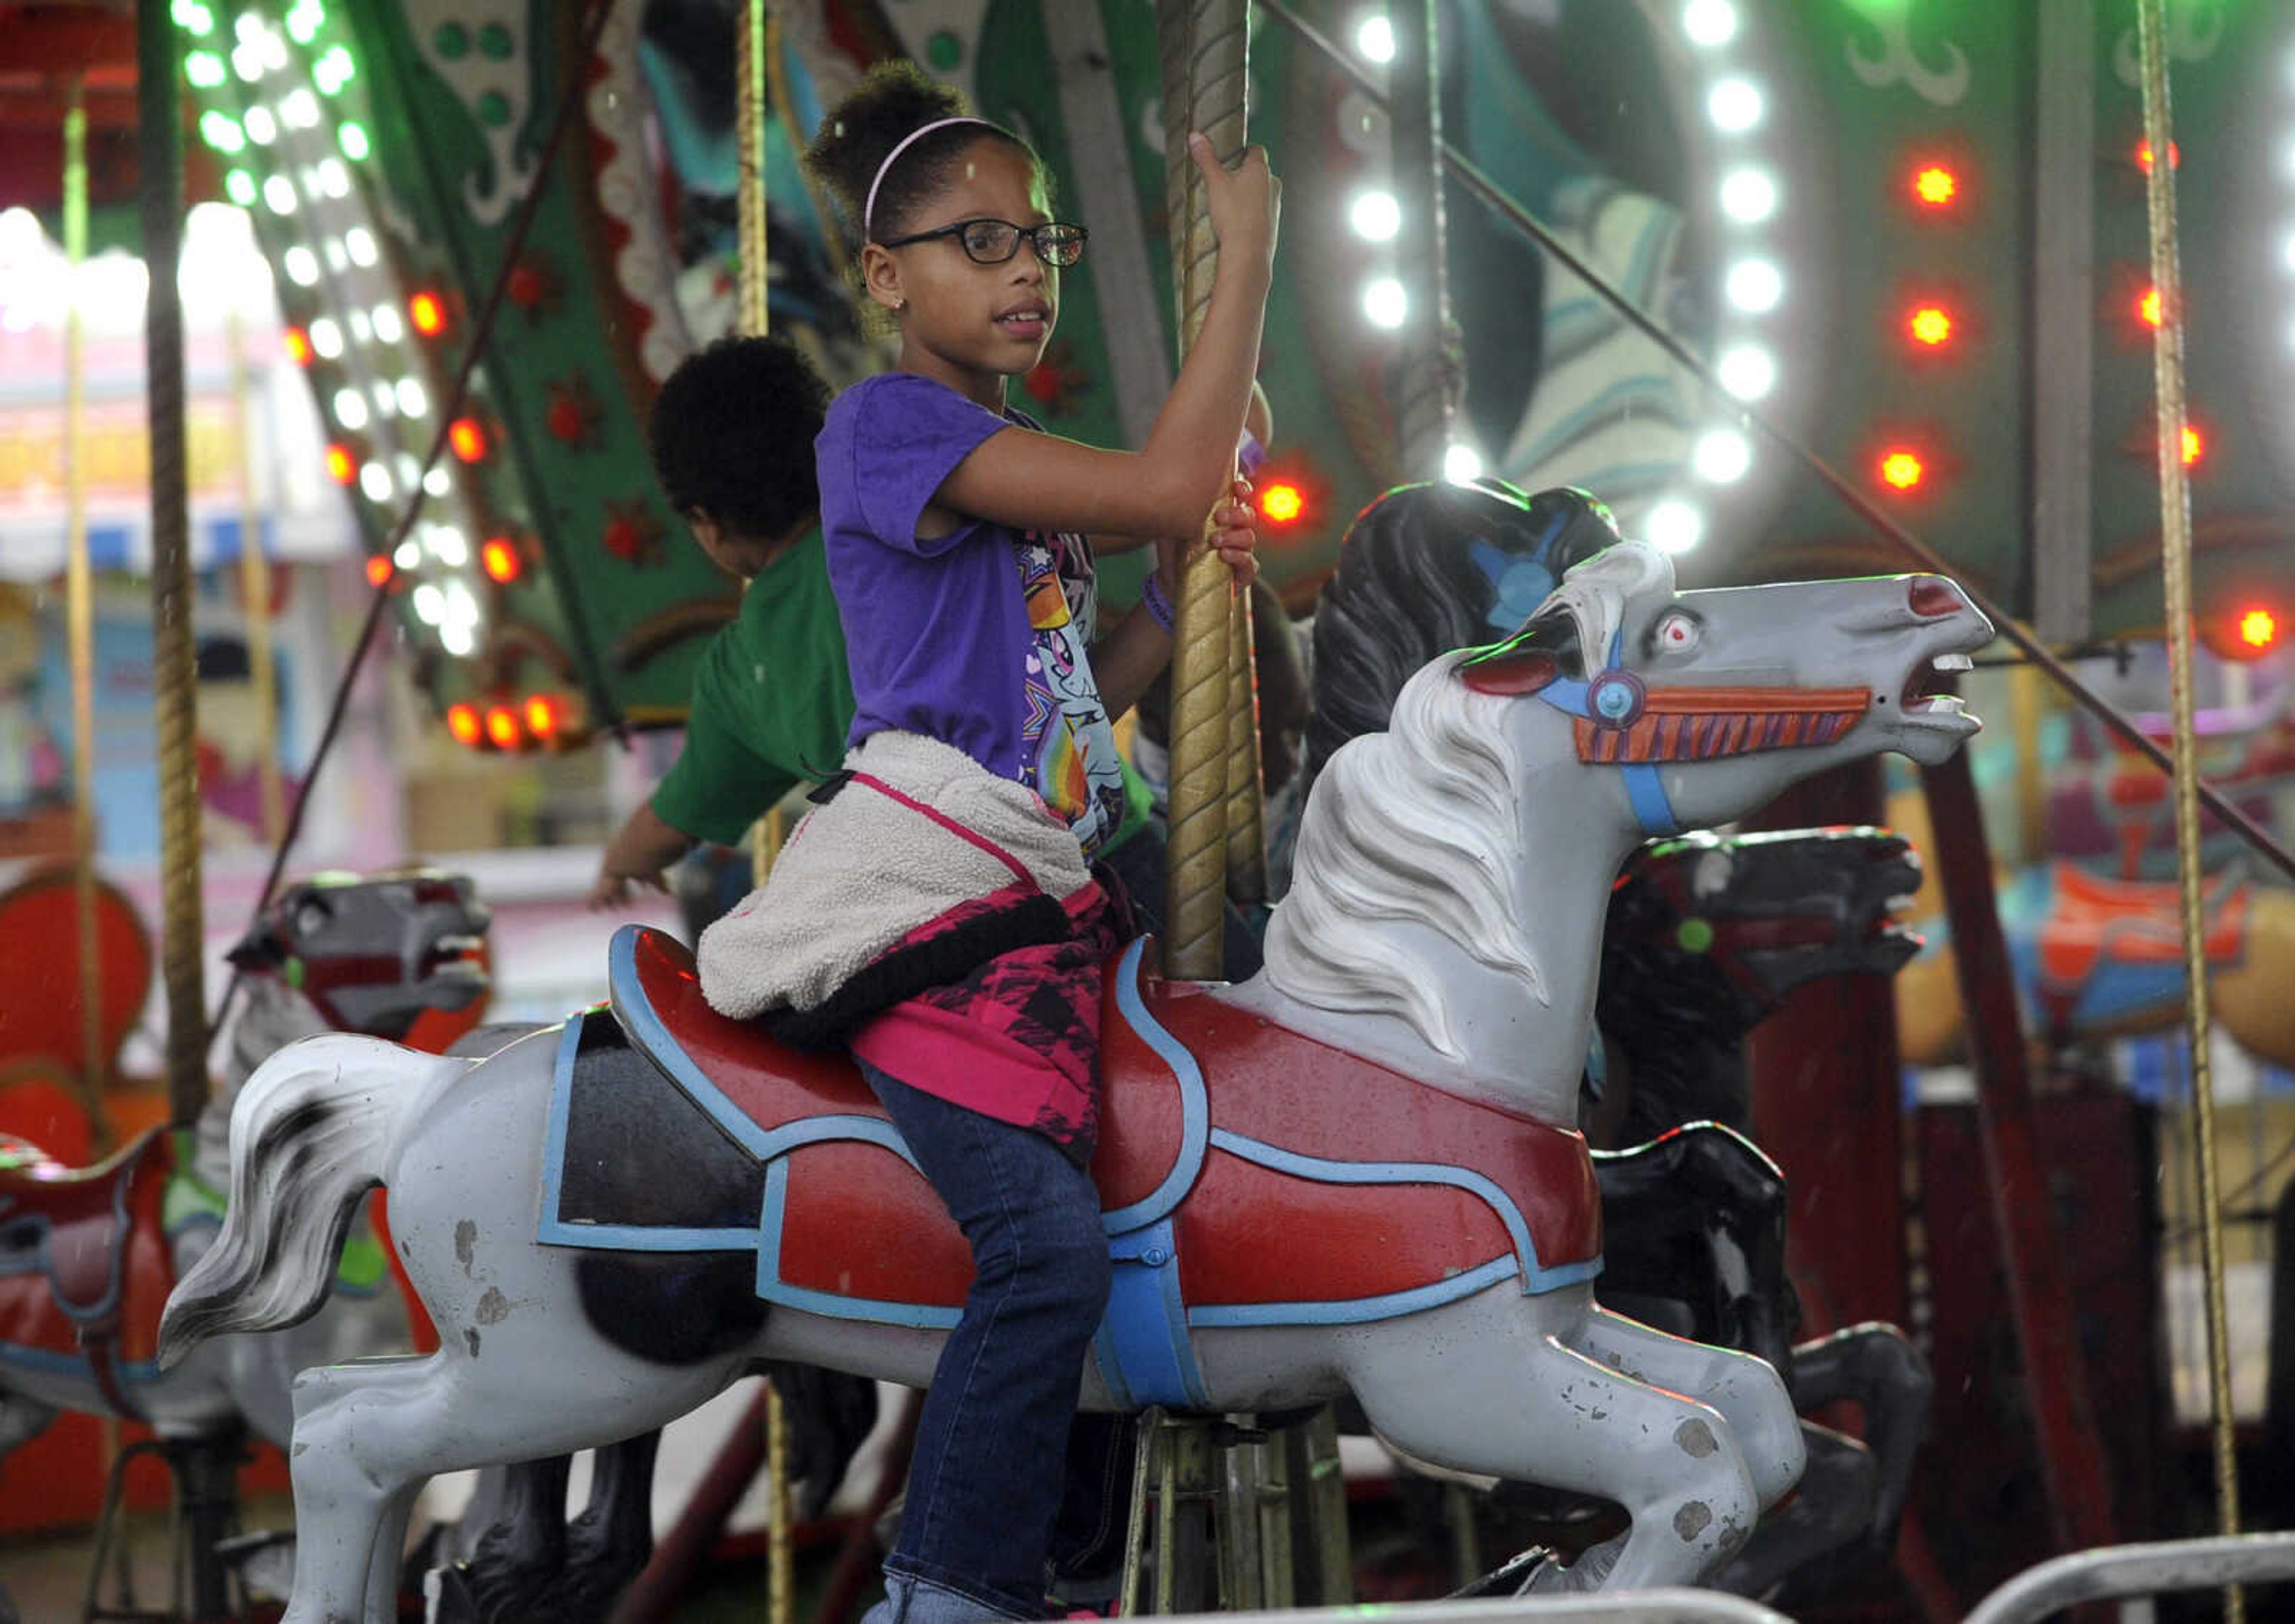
x,y
869,210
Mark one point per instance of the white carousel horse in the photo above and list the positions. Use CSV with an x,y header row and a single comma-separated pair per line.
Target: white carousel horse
x,y
1392,1093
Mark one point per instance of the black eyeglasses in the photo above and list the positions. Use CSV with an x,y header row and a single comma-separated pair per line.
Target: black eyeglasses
x,y
992,242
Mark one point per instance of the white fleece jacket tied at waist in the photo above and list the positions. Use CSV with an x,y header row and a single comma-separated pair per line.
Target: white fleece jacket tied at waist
x,y
863,873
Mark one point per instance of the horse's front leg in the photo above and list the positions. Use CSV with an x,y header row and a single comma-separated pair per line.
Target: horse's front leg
x,y
1490,1386
1748,1391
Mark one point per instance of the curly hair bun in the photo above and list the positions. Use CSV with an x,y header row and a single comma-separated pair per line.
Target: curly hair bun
x,y
732,436
895,100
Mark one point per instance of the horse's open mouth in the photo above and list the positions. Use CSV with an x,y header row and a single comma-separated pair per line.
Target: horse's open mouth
x,y
1925,692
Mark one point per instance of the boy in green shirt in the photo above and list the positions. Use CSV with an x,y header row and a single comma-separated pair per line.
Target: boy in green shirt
x,y
731,439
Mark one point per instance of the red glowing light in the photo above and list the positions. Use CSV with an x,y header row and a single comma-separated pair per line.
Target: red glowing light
x,y
1902,469
463,723
298,346
1934,186
499,559
2147,308
1282,504
378,569
2193,446
2258,627
2143,156
468,436
501,726
1930,325
541,717
428,312
342,467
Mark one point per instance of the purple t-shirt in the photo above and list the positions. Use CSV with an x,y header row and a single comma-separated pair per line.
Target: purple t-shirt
x,y
942,635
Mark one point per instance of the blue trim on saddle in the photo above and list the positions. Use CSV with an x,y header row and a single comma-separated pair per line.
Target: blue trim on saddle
x,y
1355,1310
1195,1102
76,1366
1535,1276
1141,1347
1644,791
43,1262
773,1288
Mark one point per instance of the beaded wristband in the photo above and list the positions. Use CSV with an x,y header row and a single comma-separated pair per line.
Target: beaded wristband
x,y
1152,599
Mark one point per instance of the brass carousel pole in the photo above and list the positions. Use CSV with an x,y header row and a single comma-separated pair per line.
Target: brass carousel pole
x,y
173,669
1204,48
756,30
2175,567
79,618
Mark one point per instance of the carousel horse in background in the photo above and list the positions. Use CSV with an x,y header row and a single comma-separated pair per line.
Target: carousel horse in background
x,y
87,1256
1704,937
1406,1065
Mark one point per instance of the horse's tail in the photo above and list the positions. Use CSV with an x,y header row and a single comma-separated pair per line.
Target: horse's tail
x,y
310,1137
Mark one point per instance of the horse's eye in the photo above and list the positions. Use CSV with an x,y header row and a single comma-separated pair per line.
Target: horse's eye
x,y
1676,632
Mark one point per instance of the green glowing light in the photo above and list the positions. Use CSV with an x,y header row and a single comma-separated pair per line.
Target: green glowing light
x,y
204,69
193,18
354,139
333,69
239,186
222,131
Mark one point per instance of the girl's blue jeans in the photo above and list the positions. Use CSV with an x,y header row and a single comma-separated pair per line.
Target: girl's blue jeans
x,y
985,1481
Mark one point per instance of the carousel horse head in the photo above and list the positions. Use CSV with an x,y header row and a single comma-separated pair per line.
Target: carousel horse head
x,y
400,956
1427,569
1621,711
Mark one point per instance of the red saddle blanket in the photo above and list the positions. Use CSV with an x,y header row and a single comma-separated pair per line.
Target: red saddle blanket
x,y
1292,1173
81,1251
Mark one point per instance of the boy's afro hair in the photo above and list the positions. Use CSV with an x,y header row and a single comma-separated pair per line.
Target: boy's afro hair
x,y
732,436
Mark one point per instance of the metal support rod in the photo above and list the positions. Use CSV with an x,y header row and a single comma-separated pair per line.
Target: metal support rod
x,y
2176,568
1489,193
1206,50
255,589
2137,1569
593,27
79,622
175,672
2073,1473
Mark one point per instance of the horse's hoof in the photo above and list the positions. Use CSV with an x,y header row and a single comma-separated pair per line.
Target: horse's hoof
x,y
1512,1577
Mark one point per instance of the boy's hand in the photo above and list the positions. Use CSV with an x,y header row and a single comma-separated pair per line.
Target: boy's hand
x,y
613,890
1246,202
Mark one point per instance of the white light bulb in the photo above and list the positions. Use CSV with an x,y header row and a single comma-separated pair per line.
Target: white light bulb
x,y
1735,106
279,193
460,607
1749,196
361,329
412,401
1754,286
1747,370
1375,216
1709,22
374,479
1384,303
302,266
299,111
1673,525
408,557
350,408
385,401
334,178
1375,39
359,242
430,604
437,482
449,546
457,639
326,337
262,129
1462,464
1721,456
388,327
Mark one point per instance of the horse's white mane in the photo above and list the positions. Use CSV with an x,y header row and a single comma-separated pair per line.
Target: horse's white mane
x,y
1597,592
1417,827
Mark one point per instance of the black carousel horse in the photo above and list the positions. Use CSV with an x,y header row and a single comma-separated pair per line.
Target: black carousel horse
x,y
1704,938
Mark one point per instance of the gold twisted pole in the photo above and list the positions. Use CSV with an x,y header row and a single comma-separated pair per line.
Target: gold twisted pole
x,y
2175,567
756,43
175,675
79,618
1205,46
